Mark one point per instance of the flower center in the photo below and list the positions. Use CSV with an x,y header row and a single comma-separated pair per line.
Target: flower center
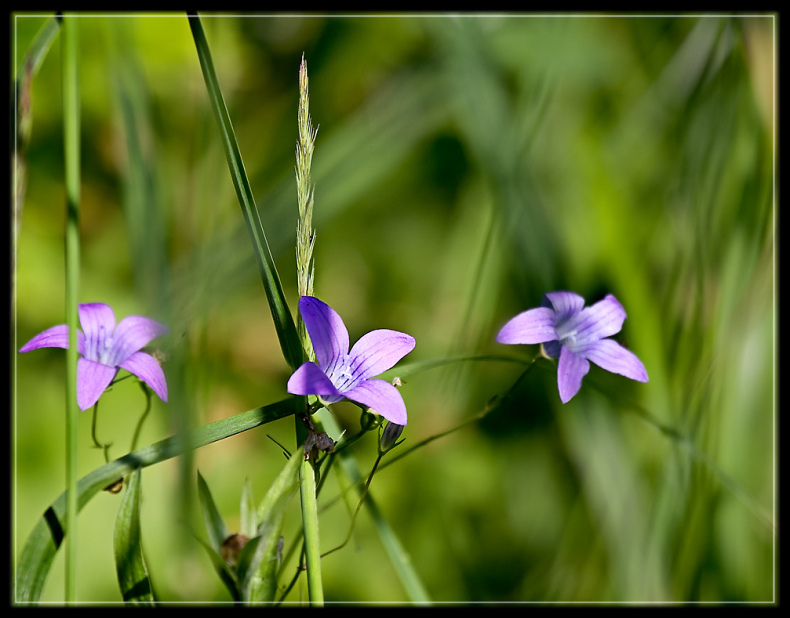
x,y
342,377
566,332
105,347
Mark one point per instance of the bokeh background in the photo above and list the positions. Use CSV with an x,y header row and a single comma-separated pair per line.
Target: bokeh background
x,y
464,166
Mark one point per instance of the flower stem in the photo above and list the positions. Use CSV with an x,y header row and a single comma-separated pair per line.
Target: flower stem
x,y
359,506
71,131
143,417
312,549
493,404
96,443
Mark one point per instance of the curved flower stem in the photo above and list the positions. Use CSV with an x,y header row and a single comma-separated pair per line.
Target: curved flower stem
x,y
96,443
492,404
359,506
143,417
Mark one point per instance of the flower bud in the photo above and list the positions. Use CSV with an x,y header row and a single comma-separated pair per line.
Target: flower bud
x,y
231,549
390,437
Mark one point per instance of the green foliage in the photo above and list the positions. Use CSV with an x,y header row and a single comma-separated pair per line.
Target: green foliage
x,y
465,166
129,561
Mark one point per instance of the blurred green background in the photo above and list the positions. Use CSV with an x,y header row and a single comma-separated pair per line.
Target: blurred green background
x,y
463,167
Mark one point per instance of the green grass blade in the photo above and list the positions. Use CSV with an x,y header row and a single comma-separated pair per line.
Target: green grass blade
x,y
71,147
398,556
48,534
23,89
227,576
215,526
129,562
283,320
249,521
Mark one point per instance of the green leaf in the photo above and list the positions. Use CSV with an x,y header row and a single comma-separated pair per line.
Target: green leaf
x,y
47,536
259,562
249,521
215,525
225,573
129,562
283,320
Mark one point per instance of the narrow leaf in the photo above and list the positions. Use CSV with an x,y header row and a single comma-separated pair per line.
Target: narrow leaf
x,y
129,562
215,525
283,320
227,576
249,521
48,534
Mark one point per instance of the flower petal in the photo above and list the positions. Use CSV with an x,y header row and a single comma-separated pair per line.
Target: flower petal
x,y
55,337
92,380
308,379
603,319
98,323
570,371
533,326
565,304
610,355
131,334
146,367
326,329
377,351
382,397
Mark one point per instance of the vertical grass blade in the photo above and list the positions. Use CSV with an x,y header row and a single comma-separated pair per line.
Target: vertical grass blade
x,y
127,542
71,144
283,320
249,520
215,525
23,98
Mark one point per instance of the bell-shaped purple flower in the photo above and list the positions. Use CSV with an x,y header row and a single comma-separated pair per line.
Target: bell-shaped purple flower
x,y
341,374
106,348
576,334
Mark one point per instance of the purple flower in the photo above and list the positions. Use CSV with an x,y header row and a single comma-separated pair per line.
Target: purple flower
x,y
106,348
341,374
576,334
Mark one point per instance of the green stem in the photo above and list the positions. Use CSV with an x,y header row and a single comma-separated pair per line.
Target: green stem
x,y
359,506
71,132
143,417
96,443
315,590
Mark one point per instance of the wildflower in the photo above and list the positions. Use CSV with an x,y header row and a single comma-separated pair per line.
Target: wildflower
x,y
576,334
341,374
106,348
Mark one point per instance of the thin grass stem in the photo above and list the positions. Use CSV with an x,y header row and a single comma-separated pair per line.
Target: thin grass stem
x,y
71,143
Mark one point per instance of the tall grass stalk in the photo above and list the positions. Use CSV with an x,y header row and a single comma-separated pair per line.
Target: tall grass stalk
x,y
305,269
71,142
